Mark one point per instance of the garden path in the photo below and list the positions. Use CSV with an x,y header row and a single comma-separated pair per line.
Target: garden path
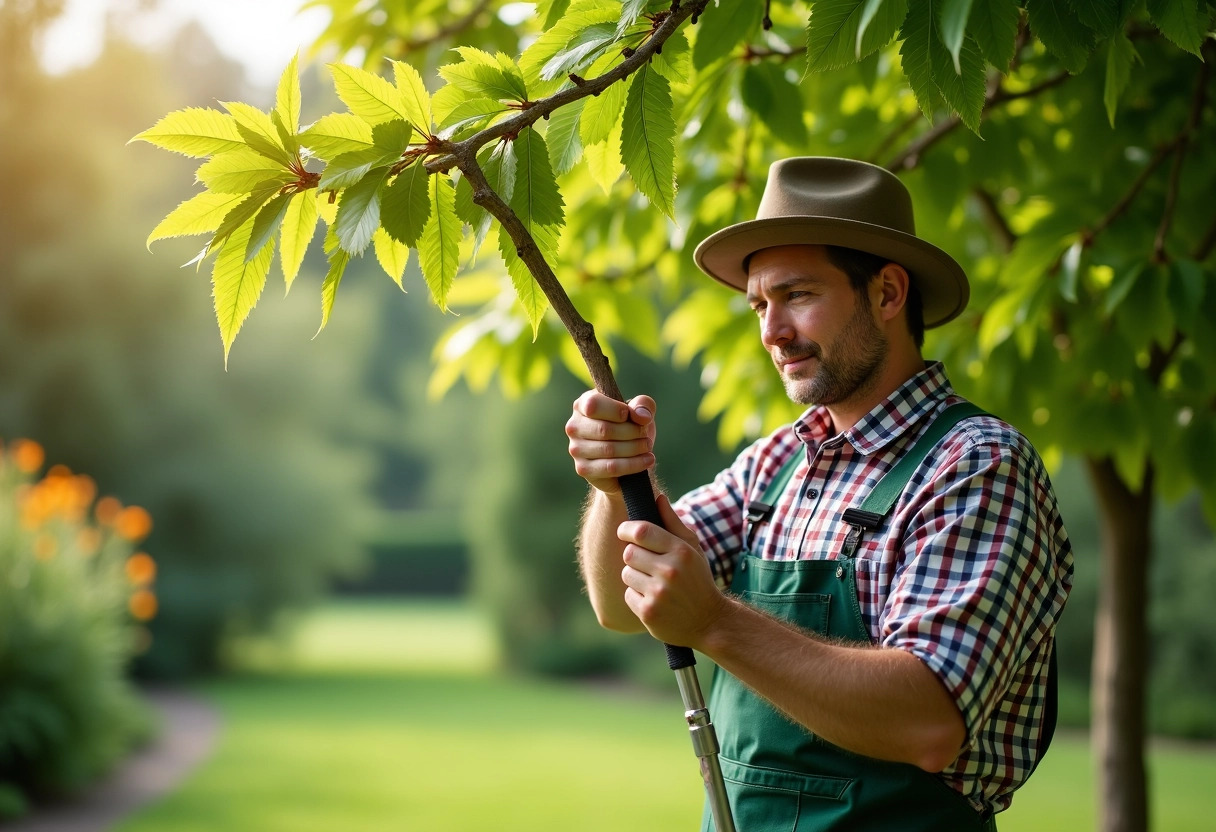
x,y
189,726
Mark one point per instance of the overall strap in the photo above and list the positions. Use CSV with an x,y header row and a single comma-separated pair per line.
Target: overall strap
x,y
760,511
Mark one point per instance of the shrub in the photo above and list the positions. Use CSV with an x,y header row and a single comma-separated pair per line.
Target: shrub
x,y
73,598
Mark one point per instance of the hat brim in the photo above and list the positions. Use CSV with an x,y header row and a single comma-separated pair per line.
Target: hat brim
x,y
942,281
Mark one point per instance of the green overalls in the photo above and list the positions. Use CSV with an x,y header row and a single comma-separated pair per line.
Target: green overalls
x,y
779,776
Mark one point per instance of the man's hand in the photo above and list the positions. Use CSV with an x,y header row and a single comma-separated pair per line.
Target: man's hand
x,y
668,583
609,439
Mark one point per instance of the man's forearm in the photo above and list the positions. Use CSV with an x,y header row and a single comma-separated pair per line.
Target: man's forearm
x,y
600,552
880,702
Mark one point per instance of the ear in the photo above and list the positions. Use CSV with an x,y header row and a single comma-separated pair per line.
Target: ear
x,y
892,290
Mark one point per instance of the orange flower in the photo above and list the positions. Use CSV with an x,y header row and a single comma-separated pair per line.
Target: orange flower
x,y
28,455
141,569
44,546
142,605
58,470
88,541
134,523
107,510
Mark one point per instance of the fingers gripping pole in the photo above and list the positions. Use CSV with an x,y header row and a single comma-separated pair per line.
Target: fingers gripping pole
x,y
641,505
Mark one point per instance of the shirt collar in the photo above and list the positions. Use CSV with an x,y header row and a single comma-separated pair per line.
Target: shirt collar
x,y
887,421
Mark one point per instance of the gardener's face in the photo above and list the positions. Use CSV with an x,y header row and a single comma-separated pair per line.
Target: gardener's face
x,y
820,333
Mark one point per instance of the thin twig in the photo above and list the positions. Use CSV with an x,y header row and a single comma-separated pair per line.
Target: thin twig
x,y
894,136
1184,138
1206,244
1122,205
992,213
457,153
454,28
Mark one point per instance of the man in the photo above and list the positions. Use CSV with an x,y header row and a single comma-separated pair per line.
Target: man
x,y
884,633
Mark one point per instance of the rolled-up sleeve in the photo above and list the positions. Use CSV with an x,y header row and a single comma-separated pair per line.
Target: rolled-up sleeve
x,y
978,590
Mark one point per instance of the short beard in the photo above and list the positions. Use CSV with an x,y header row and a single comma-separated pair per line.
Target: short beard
x,y
858,354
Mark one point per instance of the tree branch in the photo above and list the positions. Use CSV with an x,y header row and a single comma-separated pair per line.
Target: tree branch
x,y
458,153
1122,205
992,214
1184,138
580,330
454,28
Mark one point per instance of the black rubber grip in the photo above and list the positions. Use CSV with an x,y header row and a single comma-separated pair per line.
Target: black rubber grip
x,y
641,505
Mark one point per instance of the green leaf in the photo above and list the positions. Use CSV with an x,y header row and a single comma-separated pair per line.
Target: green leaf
x,y
1071,265
648,138
963,93
194,131
1187,286
604,159
498,165
337,133
1105,17
952,18
286,137
919,36
439,248
551,11
631,10
392,256
393,137
721,28
581,51
468,114
994,25
349,168
565,149
237,283
1181,22
265,224
338,260
359,211
485,76
1119,58
834,39
675,61
369,96
299,224
602,113
775,100
243,213
868,13
1121,287
240,171
258,131
199,214
527,290
287,97
1061,31
406,205
581,15
535,197
416,99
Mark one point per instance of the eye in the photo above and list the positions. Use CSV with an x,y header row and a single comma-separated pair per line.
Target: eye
x,y
758,309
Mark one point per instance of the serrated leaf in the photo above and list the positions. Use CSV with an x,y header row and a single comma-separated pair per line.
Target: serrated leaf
x,y
359,211
775,100
327,206
337,133
287,96
194,131
1103,16
265,224
1061,31
674,62
602,113
439,247
721,28
468,114
406,205
338,260
952,20
604,159
964,93
368,96
414,96
243,213
1121,287
868,12
531,298
299,224
535,197
1070,269
513,75
834,37
994,25
237,283
581,51
393,137
1119,57
498,165
1181,22
648,138
631,10
199,214
349,168
286,137
240,171
581,15
392,256
484,78
551,11
257,130
915,54
565,149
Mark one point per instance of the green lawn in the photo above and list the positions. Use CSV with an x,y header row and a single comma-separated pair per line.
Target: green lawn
x,y
389,717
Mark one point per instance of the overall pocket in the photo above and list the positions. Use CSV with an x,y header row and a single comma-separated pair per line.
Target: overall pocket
x,y
780,801
806,610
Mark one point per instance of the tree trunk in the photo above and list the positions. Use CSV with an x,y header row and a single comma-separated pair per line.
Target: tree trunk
x,y
1120,661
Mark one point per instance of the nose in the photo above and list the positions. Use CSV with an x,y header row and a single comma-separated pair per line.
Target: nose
x,y
775,327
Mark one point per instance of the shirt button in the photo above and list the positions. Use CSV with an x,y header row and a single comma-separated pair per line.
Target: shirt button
x,y
811,493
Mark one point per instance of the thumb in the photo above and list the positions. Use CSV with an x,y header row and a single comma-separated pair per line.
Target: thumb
x,y
673,523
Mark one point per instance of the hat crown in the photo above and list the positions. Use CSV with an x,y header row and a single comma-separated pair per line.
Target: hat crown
x,y
815,186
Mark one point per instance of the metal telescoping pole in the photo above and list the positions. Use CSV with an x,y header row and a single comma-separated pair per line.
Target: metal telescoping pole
x,y
705,746
640,504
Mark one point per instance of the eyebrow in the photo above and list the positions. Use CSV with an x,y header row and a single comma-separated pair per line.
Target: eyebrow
x,y
784,286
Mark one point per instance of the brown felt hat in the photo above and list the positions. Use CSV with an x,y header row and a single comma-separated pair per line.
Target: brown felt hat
x,y
838,202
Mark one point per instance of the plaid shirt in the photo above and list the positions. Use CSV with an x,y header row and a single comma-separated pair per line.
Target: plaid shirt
x,y
969,574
